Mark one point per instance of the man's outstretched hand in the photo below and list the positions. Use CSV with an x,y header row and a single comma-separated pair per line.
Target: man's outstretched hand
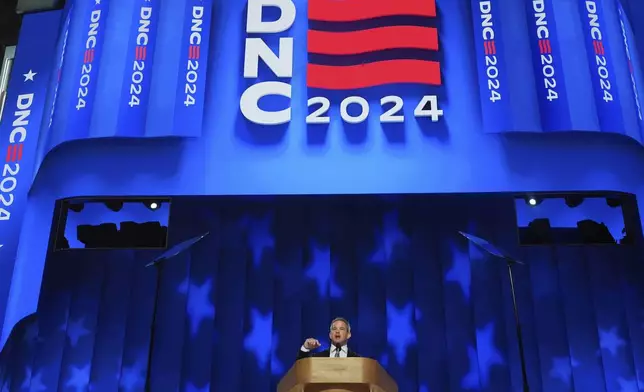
x,y
311,344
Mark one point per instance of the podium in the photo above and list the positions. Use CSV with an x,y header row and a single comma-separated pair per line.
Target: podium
x,y
337,375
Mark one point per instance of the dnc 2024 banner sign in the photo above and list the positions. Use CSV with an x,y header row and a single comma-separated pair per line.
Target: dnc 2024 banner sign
x,y
341,34
26,112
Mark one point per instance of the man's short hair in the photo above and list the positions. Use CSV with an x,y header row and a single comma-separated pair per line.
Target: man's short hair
x,y
343,320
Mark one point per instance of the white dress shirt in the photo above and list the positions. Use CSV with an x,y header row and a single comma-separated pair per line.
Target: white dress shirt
x,y
344,350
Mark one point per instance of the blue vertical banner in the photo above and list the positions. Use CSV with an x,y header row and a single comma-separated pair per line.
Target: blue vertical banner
x,y
60,60
52,100
19,132
490,55
602,69
628,47
85,73
188,112
138,72
548,71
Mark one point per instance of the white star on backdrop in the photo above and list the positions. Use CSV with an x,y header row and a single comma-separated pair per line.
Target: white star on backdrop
x,y
75,330
260,238
98,2
199,306
471,380
79,378
277,368
562,368
29,76
322,272
33,383
460,272
610,340
190,387
400,331
259,339
390,235
487,354
627,385
133,377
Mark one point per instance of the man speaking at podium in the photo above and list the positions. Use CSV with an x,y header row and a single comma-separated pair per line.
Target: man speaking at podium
x,y
339,333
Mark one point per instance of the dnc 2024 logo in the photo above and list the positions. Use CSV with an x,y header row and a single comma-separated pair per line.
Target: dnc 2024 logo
x,y
339,32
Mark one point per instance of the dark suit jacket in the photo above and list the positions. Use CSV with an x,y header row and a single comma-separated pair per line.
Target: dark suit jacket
x,y
324,354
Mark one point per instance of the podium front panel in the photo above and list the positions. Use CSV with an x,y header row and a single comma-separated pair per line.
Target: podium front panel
x,y
340,388
337,375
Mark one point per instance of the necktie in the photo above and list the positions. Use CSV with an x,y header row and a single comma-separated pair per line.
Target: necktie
x,y
337,352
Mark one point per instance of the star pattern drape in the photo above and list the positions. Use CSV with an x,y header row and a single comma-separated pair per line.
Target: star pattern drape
x,y
435,311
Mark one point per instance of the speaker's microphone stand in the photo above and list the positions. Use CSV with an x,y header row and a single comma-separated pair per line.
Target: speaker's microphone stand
x,y
490,249
158,264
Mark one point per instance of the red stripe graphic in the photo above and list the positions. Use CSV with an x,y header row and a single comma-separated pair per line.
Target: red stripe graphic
x,y
372,40
14,153
490,47
373,74
194,52
544,46
88,57
599,47
353,10
141,52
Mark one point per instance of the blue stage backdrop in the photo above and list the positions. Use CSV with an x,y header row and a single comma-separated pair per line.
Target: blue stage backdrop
x,y
435,311
472,72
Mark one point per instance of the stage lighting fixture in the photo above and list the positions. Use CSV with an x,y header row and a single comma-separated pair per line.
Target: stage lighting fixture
x,y
533,201
574,201
114,205
76,206
153,205
614,202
